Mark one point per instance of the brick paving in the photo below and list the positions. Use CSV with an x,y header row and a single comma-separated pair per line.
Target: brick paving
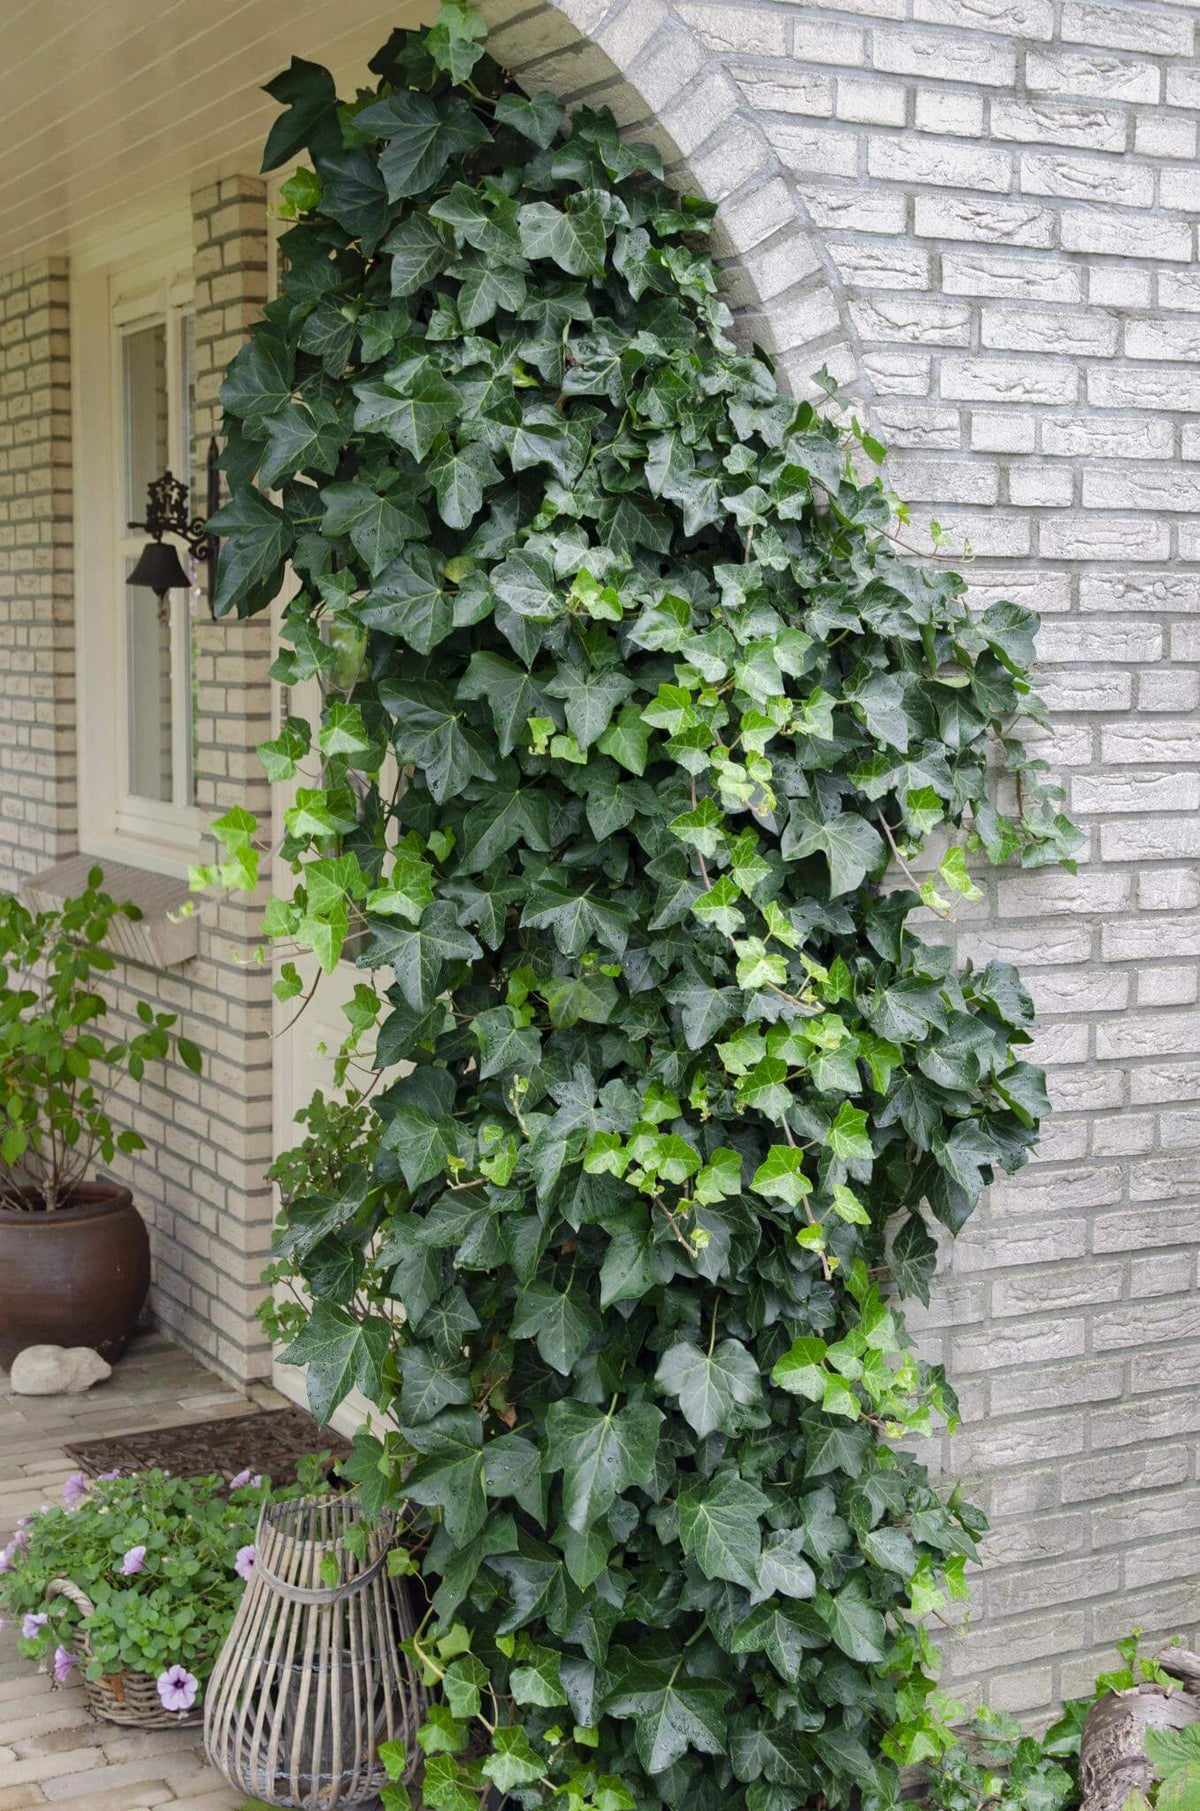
x,y
52,1751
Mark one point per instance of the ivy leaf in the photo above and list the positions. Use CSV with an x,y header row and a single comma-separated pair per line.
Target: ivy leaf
x,y
673,1712
720,1525
355,195
801,1370
507,813
418,953
450,1475
572,237
782,1568
513,1760
256,538
525,582
310,122
260,381
342,1353
780,1175
852,848
589,699
422,136
455,41
853,1621
459,476
600,1454
410,406
512,695
407,600
562,1323
378,524
429,733
418,251
539,117
913,1259
506,1047
709,1385
848,1136
783,1631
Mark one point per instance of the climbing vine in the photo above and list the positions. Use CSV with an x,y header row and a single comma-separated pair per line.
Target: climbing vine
x,y
635,727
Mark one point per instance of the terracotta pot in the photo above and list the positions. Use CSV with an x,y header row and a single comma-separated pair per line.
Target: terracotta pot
x,y
76,1277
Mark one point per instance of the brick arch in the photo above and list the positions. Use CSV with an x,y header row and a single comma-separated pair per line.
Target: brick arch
x,y
665,84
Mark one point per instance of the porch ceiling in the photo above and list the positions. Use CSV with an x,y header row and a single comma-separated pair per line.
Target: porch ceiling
x,y
111,113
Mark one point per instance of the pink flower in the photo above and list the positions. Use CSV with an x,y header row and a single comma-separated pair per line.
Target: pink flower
x,y
243,1565
74,1490
64,1660
134,1561
31,1622
177,1688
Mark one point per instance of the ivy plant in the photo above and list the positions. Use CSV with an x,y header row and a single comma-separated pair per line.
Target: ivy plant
x,y
635,725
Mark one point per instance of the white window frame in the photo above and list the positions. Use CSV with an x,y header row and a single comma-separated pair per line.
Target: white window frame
x,y
107,303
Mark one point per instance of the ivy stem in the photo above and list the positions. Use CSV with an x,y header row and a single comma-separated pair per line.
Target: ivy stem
x,y
938,911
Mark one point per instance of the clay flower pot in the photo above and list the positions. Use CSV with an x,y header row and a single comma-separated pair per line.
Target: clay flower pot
x,y
74,1277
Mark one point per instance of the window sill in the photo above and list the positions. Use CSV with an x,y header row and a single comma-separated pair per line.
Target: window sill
x,y
158,939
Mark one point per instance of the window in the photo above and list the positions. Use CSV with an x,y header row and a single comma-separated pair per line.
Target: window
x,y
157,397
134,365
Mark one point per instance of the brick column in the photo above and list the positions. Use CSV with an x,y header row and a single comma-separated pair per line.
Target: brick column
x,y
219,1233
37,633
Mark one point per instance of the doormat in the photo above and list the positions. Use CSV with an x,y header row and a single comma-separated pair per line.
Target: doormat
x,y
273,1442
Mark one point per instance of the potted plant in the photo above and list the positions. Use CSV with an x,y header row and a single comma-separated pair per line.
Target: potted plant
x,y
131,1583
74,1254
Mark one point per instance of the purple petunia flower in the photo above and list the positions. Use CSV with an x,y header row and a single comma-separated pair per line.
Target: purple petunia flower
x,y
243,1565
74,1490
243,1477
20,1541
177,1688
64,1661
106,1477
31,1622
6,1559
134,1561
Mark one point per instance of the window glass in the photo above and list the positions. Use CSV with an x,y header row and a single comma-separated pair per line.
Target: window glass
x,y
148,643
158,403
147,417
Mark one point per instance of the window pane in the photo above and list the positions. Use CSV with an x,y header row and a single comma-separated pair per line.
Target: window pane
x,y
188,615
148,640
147,423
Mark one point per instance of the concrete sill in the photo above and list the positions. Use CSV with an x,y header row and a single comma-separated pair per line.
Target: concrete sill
x,y
156,939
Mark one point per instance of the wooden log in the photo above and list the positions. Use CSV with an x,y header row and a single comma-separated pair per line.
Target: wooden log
x,y
1112,1756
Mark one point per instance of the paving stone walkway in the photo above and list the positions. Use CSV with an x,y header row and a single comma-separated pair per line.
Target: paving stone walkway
x,y
52,1751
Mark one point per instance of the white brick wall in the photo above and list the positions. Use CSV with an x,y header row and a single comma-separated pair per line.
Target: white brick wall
x,y
982,215
200,1183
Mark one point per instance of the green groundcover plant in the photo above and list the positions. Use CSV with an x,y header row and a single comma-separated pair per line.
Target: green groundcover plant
x,y
163,1560
634,723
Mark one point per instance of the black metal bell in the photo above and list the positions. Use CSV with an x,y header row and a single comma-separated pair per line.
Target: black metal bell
x,y
159,569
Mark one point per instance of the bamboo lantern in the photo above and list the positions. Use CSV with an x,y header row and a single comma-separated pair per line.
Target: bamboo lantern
x,y
311,1678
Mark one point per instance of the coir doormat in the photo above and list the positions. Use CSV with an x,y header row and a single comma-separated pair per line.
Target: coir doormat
x,y
272,1442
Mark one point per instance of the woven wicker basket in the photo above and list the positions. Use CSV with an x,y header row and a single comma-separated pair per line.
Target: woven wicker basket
x,y
130,1698
312,1678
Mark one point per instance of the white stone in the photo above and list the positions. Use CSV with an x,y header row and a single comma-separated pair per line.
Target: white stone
x,y
57,1371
